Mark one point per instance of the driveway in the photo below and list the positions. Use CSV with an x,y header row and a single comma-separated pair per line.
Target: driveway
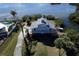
x,y
18,48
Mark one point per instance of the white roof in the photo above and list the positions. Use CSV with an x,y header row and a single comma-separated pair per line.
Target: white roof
x,y
2,25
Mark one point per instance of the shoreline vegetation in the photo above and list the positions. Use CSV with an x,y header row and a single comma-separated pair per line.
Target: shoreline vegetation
x,y
54,3
74,17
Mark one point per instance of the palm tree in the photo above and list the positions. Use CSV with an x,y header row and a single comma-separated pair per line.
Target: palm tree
x,y
59,44
13,13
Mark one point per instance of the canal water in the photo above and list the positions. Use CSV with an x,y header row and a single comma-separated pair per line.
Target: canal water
x,y
61,11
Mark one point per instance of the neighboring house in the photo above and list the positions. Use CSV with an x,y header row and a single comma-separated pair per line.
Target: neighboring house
x,y
3,32
43,28
5,29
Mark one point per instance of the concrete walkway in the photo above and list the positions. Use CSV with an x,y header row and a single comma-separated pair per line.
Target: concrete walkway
x,y
18,48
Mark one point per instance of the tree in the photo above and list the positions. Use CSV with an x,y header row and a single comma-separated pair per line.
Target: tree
x,y
71,33
59,44
24,18
54,3
35,17
50,17
74,17
28,22
65,43
59,23
77,41
13,13
70,49
69,46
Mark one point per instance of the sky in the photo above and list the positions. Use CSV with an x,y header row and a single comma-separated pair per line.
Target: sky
x,y
35,8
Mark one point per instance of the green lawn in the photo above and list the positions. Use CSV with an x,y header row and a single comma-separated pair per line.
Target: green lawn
x,y
7,49
41,51
24,51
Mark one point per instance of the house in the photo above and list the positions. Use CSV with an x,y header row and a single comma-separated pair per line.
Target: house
x,y
42,28
3,32
5,29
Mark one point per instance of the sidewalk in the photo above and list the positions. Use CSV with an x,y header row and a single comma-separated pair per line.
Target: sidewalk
x,y
18,48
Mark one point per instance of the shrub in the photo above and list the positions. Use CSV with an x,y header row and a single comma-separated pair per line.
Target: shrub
x,y
59,23
74,17
49,17
35,17
24,18
34,43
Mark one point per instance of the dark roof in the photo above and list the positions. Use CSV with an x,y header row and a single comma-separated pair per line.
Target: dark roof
x,y
42,25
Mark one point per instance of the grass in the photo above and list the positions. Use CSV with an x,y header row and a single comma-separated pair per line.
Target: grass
x,y
7,48
34,43
24,51
41,50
